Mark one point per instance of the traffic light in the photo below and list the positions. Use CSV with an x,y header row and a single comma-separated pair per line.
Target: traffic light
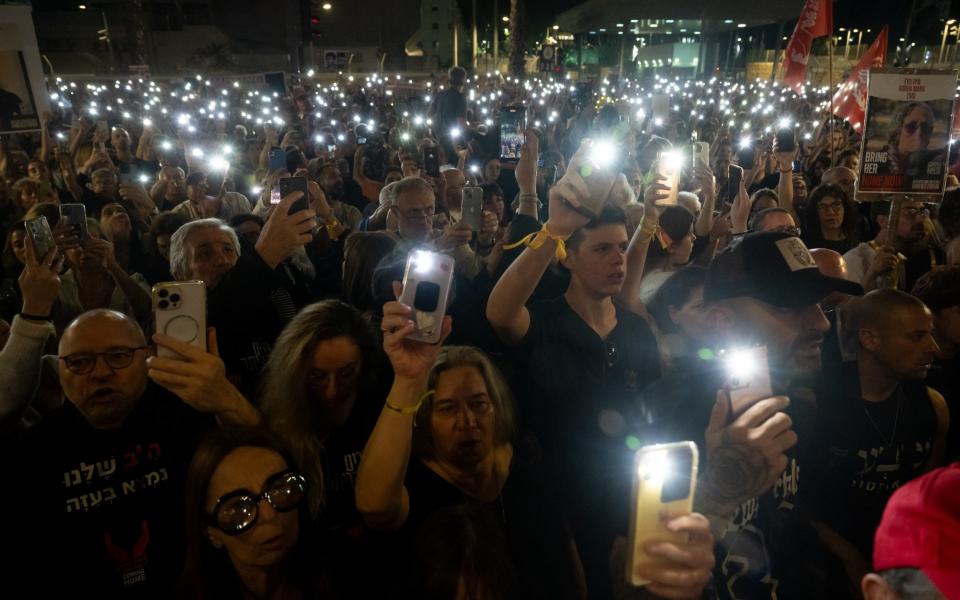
x,y
315,27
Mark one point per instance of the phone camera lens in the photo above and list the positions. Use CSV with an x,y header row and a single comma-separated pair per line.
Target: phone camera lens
x,y
163,304
163,293
174,298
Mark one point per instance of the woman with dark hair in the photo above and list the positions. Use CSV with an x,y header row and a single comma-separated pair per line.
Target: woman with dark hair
x,y
830,219
362,252
117,225
246,514
14,257
670,249
678,309
158,246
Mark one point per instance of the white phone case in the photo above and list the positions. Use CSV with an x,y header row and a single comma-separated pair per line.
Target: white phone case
x,y
180,311
436,271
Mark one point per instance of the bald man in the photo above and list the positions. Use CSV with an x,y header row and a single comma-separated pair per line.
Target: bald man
x,y
878,424
105,473
842,176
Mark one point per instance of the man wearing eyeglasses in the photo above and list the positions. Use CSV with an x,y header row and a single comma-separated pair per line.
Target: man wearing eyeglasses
x,y
104,473
877,264
907,148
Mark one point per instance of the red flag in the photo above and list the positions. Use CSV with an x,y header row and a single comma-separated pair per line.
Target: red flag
x,y
816,20
850,101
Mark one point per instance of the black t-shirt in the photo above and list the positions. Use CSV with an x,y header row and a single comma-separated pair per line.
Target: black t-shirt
x,y
944,378
101,510
768,549
579,394
537,537
865,451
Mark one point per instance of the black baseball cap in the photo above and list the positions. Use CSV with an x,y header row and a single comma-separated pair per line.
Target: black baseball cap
x,y
774,267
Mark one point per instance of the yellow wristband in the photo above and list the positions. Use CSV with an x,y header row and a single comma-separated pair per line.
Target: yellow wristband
x,y
409,410
539,238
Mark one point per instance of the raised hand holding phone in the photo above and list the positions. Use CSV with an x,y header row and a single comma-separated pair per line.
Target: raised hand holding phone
x,y
411,358
40,281
283,232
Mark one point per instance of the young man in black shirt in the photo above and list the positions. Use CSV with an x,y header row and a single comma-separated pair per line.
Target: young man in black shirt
x,y
582,358
762,290
101,479
939,289
878,425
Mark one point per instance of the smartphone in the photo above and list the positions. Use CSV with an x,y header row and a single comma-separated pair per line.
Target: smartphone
x,y
431,163
426,287
102,125
786,140
746,156
471,209
664,481
277,160
331,148
513,121
748,377
41,236
180,311
701,153
76,215
540,162
288,185
733,180
128,178
668,165
361,140
551,177
798,166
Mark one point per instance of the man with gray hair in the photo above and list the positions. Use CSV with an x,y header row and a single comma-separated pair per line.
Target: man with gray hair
x,y
253,293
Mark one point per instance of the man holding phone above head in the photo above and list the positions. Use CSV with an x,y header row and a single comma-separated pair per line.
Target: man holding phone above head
x,y
582,358
761,298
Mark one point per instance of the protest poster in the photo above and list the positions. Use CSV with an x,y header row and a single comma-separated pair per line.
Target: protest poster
x,y
907,132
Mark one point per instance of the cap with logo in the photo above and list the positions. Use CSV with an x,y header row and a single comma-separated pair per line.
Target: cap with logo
x,y
774,267
920,529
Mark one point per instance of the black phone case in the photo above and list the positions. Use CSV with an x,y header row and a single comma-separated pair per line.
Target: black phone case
x,y
289,185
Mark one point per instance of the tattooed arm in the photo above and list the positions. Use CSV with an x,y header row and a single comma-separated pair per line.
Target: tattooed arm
x,y
744,457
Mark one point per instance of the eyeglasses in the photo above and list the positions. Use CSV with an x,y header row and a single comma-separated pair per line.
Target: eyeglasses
x,y
477,406
834,207
794,231
239,510
417,213
82,363
913,211
925,127
320,380
611,354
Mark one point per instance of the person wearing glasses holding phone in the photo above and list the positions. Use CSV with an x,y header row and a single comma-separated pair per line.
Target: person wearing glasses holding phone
x,y
246,521
106,470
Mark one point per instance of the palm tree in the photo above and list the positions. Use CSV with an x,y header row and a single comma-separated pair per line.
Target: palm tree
x,y
517,64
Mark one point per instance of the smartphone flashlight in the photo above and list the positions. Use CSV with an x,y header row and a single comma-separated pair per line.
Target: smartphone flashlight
x,y
745,143
741,364
603,154
654,466
166,146
220,164
785,123
672,160
144,178
454,132
424,261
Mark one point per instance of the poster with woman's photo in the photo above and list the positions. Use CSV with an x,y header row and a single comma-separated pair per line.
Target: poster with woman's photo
x,y
18,111
907,133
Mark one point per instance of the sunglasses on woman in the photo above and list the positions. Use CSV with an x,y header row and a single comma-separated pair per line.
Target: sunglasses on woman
x,y
912,126
239,510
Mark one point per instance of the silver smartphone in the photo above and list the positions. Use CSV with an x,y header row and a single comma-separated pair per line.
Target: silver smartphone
x,y
426,288
748,377
180,311
471,209
664,481
668,165
701,153
41,237
76,216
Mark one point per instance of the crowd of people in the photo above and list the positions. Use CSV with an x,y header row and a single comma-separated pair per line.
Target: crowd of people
x,y
310,444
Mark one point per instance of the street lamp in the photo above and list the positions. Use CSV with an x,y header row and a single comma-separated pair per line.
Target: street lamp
x,y
327,6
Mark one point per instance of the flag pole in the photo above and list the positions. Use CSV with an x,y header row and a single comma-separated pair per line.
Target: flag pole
x,y
830,79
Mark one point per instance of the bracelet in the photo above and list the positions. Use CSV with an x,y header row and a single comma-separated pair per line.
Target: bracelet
x,y
531,198
409,410
24,315
787,171
539,238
